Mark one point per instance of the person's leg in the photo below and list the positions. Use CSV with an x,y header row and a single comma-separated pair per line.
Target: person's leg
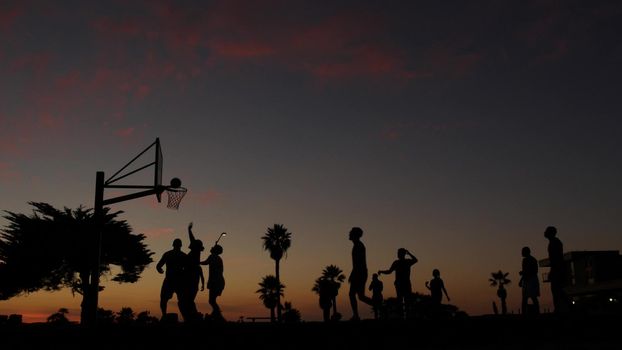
x,y
212,301
353,302
536,305
165,295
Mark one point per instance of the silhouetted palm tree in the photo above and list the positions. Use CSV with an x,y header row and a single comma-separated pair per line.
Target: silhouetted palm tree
x,y
335,275
277,241
500,279
270,293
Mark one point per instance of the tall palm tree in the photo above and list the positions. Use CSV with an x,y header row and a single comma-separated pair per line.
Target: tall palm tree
x,y
335,275
500,279
270,292
277,241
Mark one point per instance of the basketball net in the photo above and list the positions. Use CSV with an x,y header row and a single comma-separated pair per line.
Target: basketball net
x,y
175,195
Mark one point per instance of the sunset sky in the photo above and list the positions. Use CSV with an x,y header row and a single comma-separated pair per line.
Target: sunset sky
x,y
456,129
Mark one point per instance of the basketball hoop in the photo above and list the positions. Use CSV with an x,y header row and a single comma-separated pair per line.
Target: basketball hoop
x,y
175,195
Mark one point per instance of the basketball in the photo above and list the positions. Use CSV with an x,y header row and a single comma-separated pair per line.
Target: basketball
x,y
175,182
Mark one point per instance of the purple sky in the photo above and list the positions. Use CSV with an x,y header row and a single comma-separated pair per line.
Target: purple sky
x,y
456,129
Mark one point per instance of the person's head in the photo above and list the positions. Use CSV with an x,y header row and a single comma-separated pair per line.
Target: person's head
x,y
196,245
356,233
374,276
401,253
550,232
177,243
526,252
216,249
436,273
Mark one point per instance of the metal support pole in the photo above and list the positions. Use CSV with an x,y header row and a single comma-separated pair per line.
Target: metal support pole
x,y
98,216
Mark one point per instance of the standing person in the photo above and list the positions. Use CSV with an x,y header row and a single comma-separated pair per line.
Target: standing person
x,y
193,274
529,281
557,273
401,266
174,261
376,288
328,292
358,276
215,280
437,287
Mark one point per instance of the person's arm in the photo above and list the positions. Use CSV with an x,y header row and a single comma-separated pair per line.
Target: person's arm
x,y
190,235
413,259
427,285
207,261
386,272
161,263
445,290
202,279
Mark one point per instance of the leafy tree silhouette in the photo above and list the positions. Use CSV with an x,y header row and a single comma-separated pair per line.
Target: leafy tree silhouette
x,y
126,316
50,249
59,318
277,241
270,292
332,277
144,318
105,317
500,279
290,314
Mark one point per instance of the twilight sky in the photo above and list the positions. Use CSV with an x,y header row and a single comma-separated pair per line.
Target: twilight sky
x,y
456,129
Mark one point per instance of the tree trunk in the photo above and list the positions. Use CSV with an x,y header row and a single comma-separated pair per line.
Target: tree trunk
x,y
86,317
278,279
504,307
272,317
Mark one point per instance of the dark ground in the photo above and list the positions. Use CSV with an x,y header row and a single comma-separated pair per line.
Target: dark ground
x,y
470,333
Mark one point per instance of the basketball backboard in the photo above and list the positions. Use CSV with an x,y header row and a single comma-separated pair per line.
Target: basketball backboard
x,y
132,168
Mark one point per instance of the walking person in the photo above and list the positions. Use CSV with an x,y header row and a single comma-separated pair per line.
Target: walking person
x,y
358,276
401,266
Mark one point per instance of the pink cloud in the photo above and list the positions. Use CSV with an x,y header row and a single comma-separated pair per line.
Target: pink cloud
x,y
157,232
8,173
126,132
8,17
204,198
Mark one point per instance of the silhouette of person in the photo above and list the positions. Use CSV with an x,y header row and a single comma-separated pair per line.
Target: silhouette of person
x,y
174,260
557,272
376,288
437,287
216,279
529,281
193,274
358,276
328,294
401,266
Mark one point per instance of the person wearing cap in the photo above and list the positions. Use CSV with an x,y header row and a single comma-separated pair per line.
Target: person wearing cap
x,y
216,279
174,261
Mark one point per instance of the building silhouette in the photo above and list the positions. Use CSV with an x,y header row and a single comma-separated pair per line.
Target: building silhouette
x,y
593,280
